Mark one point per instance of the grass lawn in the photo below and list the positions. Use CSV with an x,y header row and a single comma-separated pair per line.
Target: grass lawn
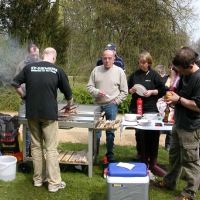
x,y
79,185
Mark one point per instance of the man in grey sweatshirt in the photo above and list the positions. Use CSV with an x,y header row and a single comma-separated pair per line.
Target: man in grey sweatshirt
x,y
108,85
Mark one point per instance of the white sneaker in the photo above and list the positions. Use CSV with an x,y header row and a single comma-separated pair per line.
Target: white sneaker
x,y
40,184
61,186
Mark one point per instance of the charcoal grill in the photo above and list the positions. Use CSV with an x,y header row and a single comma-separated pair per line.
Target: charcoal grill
x,y
86,117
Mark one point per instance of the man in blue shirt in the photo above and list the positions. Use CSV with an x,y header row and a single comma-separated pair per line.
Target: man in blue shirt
x,y
118,60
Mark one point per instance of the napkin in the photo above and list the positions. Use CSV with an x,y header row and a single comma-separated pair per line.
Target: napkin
x,y
125,165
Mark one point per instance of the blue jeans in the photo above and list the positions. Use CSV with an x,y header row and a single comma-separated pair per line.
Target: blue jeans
x,y
111,111
28,137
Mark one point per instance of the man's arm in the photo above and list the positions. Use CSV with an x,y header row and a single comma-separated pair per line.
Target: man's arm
x,y
190,104
20,92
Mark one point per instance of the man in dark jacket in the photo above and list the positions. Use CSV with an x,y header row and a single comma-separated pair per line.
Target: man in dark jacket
x,y
118,60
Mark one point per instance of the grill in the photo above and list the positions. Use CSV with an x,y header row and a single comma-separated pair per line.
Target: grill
x,y
86,116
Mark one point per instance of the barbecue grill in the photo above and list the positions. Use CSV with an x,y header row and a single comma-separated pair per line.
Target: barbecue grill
x,y
86,116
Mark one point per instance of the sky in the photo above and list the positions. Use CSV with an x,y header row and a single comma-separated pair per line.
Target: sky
x,y
196,34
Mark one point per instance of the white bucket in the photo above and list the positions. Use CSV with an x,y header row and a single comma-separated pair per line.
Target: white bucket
x,y
7,168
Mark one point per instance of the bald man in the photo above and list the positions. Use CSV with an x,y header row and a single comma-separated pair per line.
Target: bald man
x,y
42,81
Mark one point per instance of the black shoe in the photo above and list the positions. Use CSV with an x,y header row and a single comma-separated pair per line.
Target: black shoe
x,y
111,160
137,158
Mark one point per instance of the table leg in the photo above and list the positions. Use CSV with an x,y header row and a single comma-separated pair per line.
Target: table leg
x,y
90,152
95,146
24,142
149,150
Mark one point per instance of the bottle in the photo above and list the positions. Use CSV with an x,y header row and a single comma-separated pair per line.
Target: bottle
x,y
167,111
175,84
105,167
139,106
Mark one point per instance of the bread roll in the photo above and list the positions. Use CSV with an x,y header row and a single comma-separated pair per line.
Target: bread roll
x,y
168,95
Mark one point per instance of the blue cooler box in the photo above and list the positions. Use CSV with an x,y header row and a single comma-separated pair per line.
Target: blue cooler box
x,y
125,184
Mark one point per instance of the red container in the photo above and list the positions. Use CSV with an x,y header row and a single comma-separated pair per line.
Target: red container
x,y
139,106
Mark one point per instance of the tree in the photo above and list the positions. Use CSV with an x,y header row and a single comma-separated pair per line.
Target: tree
x,y
134,26
34,21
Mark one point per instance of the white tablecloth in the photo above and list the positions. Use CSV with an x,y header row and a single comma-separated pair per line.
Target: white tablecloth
x,y
126,124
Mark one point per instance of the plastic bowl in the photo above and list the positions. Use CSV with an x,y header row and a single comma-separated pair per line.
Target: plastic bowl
x,y
131,117
150,116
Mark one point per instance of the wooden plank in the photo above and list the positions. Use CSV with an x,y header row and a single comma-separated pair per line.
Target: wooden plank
x,y
67,156
79,157
61,155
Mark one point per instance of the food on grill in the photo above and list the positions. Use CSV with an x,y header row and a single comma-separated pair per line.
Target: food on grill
x,y
67,114
73,111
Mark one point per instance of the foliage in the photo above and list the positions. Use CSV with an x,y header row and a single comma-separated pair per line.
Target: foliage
x,y
9,99
79,185
34,21
81,95
131,25
80,30
124,106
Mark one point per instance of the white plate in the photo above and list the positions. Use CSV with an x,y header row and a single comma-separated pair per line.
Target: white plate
x,y
144,122
128,123
140,89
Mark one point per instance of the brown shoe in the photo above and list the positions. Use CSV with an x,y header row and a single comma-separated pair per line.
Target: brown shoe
x,y
181,197
160,184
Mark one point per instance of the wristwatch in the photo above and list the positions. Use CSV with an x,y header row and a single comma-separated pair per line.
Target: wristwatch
x,y
179,100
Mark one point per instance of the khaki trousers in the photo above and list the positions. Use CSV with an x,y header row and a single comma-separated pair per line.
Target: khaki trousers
x,y
43,130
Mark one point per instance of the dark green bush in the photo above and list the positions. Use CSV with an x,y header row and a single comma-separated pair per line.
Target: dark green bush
x,y
82,96
10,100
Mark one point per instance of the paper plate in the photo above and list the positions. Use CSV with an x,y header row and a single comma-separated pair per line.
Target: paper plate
x,y
128,123
140,89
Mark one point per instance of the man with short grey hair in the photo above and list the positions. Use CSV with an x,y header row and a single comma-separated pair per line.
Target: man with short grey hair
x,y
31,57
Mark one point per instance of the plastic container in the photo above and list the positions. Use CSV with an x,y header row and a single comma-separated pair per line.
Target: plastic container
x,y
7,168
139,106
105,167
127,184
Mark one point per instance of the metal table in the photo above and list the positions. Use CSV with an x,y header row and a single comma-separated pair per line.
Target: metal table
x,y
85,118
164,127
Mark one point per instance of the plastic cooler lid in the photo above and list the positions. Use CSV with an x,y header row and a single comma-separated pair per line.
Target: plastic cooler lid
x,y
140,170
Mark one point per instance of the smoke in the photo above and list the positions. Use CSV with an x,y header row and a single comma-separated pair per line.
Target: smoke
x,y
11,54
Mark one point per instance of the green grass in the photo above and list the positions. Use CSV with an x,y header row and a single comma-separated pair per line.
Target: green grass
x,y
79,185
